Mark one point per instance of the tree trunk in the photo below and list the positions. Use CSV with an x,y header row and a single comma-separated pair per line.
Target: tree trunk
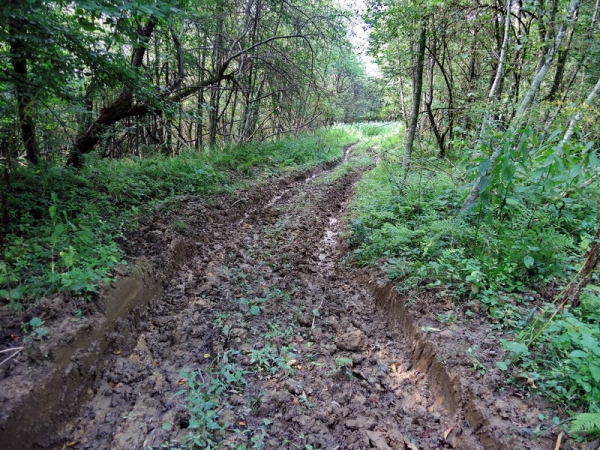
x,y
495,88
561,62
544,69
537,80
417,89
118,110
576,118
24,93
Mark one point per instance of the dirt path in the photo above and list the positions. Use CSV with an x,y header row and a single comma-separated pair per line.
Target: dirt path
x,y
286,346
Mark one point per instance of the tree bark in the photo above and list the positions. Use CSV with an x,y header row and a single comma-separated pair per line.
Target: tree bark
x,y
495,88
24,94
417,90
576,118
561,62
122,107
544,69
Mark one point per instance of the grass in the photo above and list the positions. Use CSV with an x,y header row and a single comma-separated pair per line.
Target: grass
x,y
65,225
523,238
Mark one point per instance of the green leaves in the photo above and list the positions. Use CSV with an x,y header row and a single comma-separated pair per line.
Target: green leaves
x,y
585,423
36,322
502,365
518,349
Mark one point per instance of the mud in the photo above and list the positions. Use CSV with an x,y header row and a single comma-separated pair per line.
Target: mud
x,y
332,358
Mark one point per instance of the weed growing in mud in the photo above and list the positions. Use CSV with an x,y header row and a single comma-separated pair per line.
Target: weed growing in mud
x,y
478,366
269,359
251,306
276,331
180,226
205,397
37,330
564,361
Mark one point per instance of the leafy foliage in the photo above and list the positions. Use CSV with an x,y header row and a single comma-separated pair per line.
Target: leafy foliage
x,y
533,222
410,220
66,225
586,423
565,360
204,401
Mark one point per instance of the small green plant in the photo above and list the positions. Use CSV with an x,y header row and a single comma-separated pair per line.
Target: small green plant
x,y
205,398
36,327
343,362
252,306
268,359
180,226
478,366
586,423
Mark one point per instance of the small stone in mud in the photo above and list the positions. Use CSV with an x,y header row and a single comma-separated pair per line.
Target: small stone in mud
x,y
357,359
305,320
353,340
295,387
121,270
378,441
396,439
331,321
317,334
503,409
226,418
327,348
361,423
446,334
237,333
304,421
359,399
246,348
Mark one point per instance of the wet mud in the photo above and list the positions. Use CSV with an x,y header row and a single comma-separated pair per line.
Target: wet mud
x,y
332,358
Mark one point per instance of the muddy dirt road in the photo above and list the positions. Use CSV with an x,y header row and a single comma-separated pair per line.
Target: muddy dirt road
x,y
268,295
262,338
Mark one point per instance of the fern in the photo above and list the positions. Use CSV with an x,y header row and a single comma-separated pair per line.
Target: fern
x,y
586,423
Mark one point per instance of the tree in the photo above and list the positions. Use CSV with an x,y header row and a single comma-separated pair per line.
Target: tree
x,y
417,81
168,75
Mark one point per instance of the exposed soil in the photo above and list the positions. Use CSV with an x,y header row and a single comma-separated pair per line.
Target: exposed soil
x,y
333,358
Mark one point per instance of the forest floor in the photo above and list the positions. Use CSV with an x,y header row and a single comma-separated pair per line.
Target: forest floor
x,y
261,337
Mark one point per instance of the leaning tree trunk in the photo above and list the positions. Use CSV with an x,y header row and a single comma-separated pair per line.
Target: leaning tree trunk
x,y
417,89
121,108
576,118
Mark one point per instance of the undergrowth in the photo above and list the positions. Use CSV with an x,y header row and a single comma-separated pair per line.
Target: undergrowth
x,y
529,233
65,225
564,362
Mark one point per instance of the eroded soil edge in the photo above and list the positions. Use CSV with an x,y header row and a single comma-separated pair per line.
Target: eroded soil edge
x,y
46,384
259,287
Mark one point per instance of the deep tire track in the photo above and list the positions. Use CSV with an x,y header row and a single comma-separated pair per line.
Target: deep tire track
x,y
283,255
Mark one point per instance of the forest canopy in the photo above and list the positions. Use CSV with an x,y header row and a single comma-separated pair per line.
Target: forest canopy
x,y
136,77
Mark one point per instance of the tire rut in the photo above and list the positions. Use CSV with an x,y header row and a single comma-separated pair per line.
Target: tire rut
x,y
268,293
